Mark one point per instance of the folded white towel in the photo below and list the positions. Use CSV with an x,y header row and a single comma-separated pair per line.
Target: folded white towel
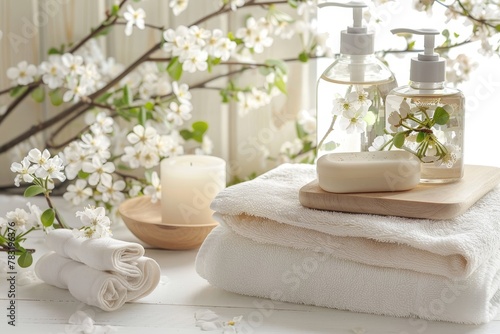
x,y
102,253
451,248
240,265
88,285
106,290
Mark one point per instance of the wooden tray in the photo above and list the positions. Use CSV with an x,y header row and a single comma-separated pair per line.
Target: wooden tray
x,y
435,201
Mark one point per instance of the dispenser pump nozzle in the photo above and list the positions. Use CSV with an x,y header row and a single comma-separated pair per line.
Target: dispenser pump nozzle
x,y
428,66
355,40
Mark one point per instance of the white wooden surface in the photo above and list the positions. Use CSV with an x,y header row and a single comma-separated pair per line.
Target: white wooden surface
x,y
170,308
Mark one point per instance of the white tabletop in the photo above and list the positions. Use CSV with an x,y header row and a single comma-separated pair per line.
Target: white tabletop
x,y
41,308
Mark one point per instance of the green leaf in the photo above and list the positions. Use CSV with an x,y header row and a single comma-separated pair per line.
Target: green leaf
x,y
115,9
38,94
56,97
293,3
200,126
143,116
104,97
83,175
18,90
497,27
48,217
446,33
25,259
186,134
149,106
421,137
281,85
33,191
411,45
299,130
330,146
54,51
441,116
127,96
174,69
304,57
399,139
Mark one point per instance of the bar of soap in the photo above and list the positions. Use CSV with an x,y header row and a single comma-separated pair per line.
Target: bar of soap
x,y
376,171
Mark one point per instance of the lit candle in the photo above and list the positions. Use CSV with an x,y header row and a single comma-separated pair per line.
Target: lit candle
x,y
189,183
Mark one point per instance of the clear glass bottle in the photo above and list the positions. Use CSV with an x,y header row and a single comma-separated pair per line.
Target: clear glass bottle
x,y
427,118
350,93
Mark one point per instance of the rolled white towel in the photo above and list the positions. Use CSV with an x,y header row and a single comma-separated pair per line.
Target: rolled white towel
x,y
101,254
142,285
88,285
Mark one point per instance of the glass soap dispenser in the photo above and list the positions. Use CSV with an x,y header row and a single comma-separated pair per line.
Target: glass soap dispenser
x,y
351,92
426,118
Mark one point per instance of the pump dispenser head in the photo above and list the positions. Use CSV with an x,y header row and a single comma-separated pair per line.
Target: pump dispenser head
x,y
356,40
428,67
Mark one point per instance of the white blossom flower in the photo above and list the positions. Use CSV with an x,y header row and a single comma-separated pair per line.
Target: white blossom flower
x,y
307,121
77,193
38,158
254,35
359,97
103,124
75,91
74,156
178,6
134,190
154,189
98,171
53,72
196,61
111,192
23,73
35,215
200,35
73,64
178,113
235,4
131,156
95,223
142,136
182,92
342,105
149,157
25,171
353,120
22,220
52,169
134,17
379,142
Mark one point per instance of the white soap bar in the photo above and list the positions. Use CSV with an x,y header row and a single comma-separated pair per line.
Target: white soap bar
x,y
368,171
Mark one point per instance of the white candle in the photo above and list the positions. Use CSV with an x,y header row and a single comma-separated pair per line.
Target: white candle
x,y
189,183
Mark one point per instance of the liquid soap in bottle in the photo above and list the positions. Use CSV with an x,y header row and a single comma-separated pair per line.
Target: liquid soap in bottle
x,y
351,92
426,118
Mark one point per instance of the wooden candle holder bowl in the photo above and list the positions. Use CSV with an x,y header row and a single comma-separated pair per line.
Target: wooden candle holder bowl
x,y
143,219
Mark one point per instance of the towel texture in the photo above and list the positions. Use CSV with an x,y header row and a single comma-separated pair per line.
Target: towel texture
x,y
238,264
102,272
102,253
267,210
88,285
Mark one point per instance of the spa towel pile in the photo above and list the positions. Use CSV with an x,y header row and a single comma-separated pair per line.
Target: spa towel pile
x,y
268,245
103,272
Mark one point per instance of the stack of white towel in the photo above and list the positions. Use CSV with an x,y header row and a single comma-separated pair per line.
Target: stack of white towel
x,y
103,272
268,245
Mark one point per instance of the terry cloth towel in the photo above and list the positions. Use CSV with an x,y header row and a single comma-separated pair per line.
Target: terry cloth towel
x,y
238,264
88,285
267,210
102,253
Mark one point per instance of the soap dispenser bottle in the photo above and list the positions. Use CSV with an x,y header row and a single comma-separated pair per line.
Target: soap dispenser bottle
x,y
426,118
351,92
